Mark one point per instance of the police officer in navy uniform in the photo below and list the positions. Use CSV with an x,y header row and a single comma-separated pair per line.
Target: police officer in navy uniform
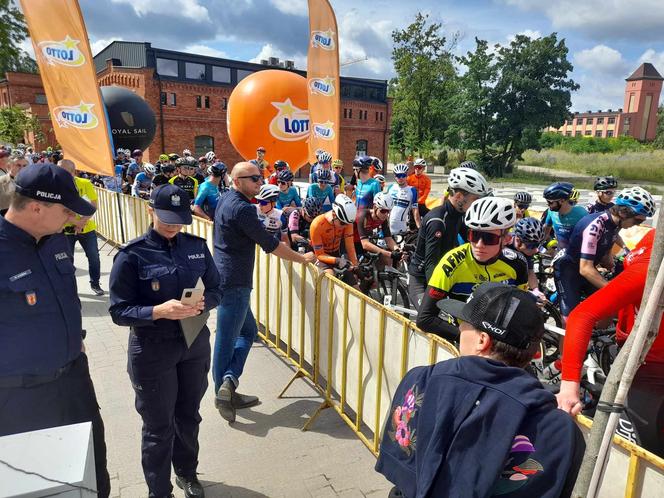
x,y
44,376
147,280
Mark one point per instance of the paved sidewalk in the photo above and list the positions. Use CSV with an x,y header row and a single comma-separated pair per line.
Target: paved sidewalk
x,y
264,454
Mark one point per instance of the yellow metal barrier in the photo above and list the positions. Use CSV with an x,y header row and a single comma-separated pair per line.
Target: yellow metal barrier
x,y
351,348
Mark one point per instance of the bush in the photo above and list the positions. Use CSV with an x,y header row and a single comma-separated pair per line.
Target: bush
x,y
591,145
442,157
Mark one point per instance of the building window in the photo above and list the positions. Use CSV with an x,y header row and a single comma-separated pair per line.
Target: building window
x,y
164,98
589,121
348,113
365,115
173,100
242,74
376,115
612,120
598,133
578,134
207,102
381,115
361,148
203,144
600,120
609,133
40,98
628,120
167,67
224,103
589,132
568,133
194,71
221,74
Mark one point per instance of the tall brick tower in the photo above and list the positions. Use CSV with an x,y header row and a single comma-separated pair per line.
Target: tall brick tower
x,y
642,91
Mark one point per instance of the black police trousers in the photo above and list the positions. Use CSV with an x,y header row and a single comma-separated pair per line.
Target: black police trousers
x,y
169,381
69,399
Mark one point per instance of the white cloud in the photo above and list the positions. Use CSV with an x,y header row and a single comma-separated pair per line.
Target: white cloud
x,y
187,8
601,59
530,33
201,49
360,40
655,58
26,46
294,7
100,44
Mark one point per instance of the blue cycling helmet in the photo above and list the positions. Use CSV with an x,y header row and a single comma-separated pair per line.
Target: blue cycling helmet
x,y
285,176
558,191
323,175
313,206
363,162
638,199
529,230
280,165
218,169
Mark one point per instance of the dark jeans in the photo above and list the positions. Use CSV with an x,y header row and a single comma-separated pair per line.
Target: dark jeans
x,y
416,288
70,399
88,242
169,381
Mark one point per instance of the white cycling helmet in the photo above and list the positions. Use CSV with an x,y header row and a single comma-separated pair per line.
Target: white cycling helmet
x,y
491,213
469,180
149,168
383,201
401,169
210,156
379,178
186,152
344,208
420,162
268,192
638,199
324,157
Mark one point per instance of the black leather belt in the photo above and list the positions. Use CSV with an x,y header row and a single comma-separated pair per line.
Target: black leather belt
x,y
34,380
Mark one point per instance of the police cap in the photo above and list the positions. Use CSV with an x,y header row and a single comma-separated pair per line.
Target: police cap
x,y
171,205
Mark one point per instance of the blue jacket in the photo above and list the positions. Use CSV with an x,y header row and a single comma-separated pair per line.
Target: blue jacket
x,y
475,427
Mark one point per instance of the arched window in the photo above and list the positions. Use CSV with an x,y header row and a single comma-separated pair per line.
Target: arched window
x,y
203,144
361,147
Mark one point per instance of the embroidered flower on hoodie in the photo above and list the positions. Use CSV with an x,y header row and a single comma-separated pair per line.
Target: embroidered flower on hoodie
x,y
401,432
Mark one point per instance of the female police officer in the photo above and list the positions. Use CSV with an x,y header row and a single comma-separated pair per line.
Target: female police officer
x,y
147,280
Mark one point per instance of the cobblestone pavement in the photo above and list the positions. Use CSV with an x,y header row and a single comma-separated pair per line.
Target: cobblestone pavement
x,y
264,454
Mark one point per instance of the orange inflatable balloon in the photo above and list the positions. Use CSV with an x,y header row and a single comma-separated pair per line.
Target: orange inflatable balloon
x,y
269,108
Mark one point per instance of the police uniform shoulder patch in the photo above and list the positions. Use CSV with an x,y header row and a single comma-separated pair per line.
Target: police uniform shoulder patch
x,y
510,253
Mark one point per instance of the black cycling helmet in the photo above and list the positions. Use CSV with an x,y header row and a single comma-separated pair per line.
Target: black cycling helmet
x,y
136,153
558,191
285,176
173,157
363,162
280,165
217,169
167,168
313,206
468,164
523,198
605,183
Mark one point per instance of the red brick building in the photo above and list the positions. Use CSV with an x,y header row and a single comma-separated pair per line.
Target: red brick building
x,y
189,93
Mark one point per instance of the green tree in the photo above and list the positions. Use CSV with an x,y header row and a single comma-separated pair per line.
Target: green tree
x,y
15,122
423,86
659,137
12,33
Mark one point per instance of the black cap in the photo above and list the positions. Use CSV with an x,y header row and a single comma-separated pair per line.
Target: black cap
x,y
50,183
506,313
171,205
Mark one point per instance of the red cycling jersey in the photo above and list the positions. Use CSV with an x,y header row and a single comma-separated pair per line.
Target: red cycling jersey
x,y
623,293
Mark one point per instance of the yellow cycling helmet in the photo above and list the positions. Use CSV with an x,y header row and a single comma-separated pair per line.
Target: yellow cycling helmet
x,y
574,196
337,162
163,157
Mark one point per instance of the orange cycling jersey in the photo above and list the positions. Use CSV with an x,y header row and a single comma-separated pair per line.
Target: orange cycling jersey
x,y
423,185
326,240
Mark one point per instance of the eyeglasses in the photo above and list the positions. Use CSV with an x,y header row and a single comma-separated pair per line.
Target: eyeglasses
x,y
489,239
338,167
264,203
523,206
400,176
610,193
419,167
282,183
384,211
550,203
253,178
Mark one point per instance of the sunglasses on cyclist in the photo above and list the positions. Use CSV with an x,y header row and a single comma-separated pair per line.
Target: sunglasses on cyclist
x,y
264,203
384,211
523,206
607,192
400,176
489,239
282,183
253,178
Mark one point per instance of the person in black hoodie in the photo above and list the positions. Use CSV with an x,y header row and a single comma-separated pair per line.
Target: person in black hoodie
x,y
480,425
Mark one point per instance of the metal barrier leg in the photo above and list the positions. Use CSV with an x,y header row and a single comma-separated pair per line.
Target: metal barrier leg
x,y
325,404
297,375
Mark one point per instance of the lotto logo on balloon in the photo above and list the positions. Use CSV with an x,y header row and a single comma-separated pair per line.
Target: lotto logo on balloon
x,y
323,39
322,86
63,53
324,130
76,116
290,123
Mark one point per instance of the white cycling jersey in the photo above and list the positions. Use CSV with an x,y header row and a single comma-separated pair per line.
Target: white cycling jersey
x,y
405,200
271,221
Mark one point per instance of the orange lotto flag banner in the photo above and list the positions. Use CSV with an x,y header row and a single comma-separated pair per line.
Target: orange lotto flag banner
x,y
68,74
323,79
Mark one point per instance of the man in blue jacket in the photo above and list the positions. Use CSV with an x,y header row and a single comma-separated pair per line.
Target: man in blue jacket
x,y
480,425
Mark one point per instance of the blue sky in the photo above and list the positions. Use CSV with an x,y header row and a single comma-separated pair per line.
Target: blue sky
x,y
607,39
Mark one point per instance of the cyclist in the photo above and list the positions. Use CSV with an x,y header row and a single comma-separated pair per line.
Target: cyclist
x,y
324,164
522,201
173,157
300,220
167,171
262,164
590,245
441,226
279,166
376,218
381,181
135,166
405,202
484,259
468,164
327,232
186,152
340,183
527,237
322,189
421,181
142,185
268,214
199,170
376,167
562,215
605,188
289,198
183,179
209,192
645,399
367,187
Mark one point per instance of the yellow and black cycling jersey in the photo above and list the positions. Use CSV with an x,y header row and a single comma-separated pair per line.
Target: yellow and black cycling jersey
x,y
457,274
